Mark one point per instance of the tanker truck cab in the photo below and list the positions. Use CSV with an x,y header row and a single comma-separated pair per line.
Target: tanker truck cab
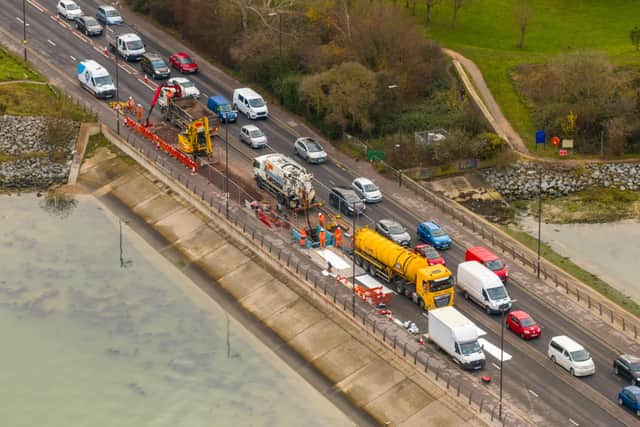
x,y
480,284
437,287
96,79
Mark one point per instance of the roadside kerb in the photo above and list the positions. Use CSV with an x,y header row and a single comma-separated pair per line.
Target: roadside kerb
x,y
549,273
326,288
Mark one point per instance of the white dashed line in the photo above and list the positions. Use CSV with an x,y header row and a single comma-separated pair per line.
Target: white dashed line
x,y
147,84
21,21
50,42
533,393
495,366
573,422
73,58
37,5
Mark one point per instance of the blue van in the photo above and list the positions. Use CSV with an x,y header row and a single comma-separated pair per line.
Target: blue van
x,y
219,105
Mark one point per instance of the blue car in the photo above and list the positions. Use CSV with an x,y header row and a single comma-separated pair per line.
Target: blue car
x,y
431,233
222,107
630,397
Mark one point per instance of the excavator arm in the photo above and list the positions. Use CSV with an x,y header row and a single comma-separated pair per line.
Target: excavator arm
x,y
158,93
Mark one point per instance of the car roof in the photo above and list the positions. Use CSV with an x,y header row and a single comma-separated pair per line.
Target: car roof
x,y
151,55
307,139
68,2
179,79
220,99
250,127
430,225
106,7
483,252
519,314
633,389
182,54
388,221
363,180
569,344
343,190
629,358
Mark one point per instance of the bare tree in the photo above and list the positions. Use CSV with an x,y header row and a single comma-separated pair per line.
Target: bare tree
x,y
457,4
523,12
429,5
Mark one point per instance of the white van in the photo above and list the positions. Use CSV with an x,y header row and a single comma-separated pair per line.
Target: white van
x,y
571,356
482,285
96,79
249,103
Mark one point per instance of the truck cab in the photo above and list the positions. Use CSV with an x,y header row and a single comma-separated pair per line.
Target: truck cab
x,y
125,42
437,286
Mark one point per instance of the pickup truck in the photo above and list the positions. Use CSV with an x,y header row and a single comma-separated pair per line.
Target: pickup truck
x,y
124,41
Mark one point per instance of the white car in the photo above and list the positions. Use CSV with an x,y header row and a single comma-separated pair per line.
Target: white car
x,y
253,136
187,87
366,190
69,9
310,150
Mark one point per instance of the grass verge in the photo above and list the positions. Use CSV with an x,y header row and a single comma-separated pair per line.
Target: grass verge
x,y
24,99
14,68
576,271
99,141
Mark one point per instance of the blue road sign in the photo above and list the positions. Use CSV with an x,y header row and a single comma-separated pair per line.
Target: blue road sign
x,y
541,137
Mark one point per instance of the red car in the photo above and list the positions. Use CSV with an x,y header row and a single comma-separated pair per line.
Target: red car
x,y
427,251
182,62
489,259
522,324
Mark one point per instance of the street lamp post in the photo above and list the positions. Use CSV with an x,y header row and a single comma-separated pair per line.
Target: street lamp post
x,y
539,217
503,310
24,29
353,258
115,56
280,50
226,167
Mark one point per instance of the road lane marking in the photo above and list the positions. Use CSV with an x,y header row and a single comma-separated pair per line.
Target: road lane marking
x,y
573,422
147,84
495,366
37,5
50,42
493,350
21,21
533,393
73,58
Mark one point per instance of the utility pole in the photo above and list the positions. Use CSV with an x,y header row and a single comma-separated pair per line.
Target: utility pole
x,y
24,28
281,77
226,168
539,217
353,258
501,359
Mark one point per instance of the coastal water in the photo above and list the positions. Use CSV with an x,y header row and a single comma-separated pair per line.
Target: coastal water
x,y
92,336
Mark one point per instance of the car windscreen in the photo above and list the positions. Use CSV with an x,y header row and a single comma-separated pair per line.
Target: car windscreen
x,y
312,146
225,108
495,265
184,60
437,232
580,356
187,84
467,348
256,102
134,44
350,198
526,322
158,63
430,253
90,22
103,81
635,366
395,229
112,13
370,188
497,293
72,6
441,284
256,133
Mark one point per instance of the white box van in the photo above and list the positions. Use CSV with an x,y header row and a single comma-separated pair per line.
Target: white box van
x,y
482,285
96,79
457,336
571,356
249,103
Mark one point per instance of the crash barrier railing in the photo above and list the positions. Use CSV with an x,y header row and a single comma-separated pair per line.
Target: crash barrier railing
x,y
552,275
377,322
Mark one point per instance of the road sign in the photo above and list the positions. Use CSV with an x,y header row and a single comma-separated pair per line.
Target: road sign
x,y
555,140
563,153
541,137
567,143
374,155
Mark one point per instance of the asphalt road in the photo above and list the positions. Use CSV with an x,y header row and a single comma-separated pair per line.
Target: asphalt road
x,y
547,393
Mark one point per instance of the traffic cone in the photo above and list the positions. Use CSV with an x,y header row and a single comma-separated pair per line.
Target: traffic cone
x,y
145,78
193,170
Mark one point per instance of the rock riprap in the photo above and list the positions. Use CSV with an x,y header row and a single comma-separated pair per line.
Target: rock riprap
x,y
35,152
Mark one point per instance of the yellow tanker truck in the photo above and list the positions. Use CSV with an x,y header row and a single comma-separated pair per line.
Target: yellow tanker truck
x,y
409,273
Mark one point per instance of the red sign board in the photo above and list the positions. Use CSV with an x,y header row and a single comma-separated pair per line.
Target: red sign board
x,y
563,153
555,140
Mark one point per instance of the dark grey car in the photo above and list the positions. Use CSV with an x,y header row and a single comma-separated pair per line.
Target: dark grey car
x,y
394,231
628,366
89,26
345,200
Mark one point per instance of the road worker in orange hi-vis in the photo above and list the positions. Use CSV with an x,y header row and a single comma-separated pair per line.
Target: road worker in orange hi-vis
x,y
131,105
303,237
139,112
338,237
321,219
323,238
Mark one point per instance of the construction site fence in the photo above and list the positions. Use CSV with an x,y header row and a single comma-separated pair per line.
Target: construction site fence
x,y
552,275
426,358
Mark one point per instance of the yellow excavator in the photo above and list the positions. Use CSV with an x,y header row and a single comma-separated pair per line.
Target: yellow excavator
x,y
196,139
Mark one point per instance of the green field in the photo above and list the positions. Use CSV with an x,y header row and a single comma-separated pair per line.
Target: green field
x,y
12,68
487,32
30,99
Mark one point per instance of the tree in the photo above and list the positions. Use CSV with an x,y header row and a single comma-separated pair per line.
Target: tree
x,y
635,37
616,135
429,5
523,12
457,4
342,96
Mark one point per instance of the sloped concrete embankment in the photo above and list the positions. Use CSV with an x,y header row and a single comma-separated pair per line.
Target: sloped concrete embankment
x,y
366,370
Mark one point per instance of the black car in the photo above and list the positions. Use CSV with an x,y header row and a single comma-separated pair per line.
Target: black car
x,y
345,200
89,26
628,366
153,65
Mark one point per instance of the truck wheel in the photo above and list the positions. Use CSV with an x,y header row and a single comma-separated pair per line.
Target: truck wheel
x,y
421,303
487,310
399,288
466,294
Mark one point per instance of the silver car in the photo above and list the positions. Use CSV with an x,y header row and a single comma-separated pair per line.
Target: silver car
x,y
394,231
253,136
310,150
366,190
